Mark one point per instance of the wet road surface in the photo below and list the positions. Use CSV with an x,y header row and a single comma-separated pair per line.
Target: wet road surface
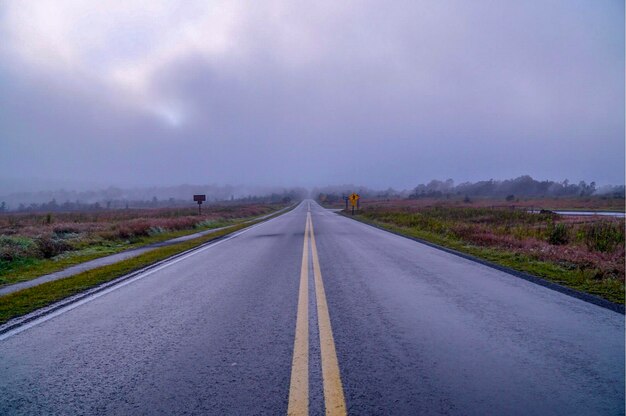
x,y
311,312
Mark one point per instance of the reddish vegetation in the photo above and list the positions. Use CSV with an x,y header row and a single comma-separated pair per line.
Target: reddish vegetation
x,y
591,203
47,235
124,223
590,243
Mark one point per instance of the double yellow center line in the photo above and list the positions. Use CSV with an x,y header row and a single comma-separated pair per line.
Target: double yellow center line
x,y
334,400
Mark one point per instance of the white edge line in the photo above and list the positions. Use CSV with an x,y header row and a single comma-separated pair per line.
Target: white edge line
x,y
123,283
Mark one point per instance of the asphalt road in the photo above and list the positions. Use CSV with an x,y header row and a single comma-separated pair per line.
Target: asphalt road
x,y
313,311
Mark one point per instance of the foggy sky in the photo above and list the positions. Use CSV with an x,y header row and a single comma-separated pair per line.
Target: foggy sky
x,y
290,93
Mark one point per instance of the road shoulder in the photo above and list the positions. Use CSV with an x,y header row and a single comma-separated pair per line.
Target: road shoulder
x,y
586,297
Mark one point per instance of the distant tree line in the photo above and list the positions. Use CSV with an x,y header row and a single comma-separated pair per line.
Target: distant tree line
x,y
509,189
274,198
523,186
146,197
154,202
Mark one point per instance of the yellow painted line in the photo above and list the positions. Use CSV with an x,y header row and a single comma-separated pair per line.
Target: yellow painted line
x,y
333,390
299,387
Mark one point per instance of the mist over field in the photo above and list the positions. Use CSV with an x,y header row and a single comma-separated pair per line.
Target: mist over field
x,y
170,196
274,95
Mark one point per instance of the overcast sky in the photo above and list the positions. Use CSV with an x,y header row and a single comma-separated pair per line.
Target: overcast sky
x,y
310,93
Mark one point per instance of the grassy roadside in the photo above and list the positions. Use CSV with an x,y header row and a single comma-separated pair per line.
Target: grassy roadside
x,y
29,268
30,299
579,279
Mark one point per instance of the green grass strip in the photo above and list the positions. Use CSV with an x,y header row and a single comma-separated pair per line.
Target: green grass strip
x,y
30,299
581,280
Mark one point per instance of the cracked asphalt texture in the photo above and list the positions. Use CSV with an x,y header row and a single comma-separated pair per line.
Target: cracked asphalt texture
x,y
417,331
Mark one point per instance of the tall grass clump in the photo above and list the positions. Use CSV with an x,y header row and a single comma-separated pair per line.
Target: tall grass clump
x,y
603,236
558,234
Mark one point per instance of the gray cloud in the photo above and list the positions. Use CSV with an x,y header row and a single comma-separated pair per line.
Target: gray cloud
x,y
315,93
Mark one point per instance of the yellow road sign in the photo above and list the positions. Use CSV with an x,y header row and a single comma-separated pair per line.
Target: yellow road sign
x,y
354,198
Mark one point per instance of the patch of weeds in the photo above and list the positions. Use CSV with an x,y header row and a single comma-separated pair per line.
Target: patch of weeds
x,y
603,236
16,247
558,234
156,230
209,224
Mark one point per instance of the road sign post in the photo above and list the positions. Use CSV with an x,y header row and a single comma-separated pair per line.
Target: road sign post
x,y
199,199
354,200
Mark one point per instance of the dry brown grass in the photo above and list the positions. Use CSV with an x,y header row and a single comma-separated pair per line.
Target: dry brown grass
x,y
26,238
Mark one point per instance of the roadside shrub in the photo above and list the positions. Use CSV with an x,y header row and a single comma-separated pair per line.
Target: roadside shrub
x,y
50,247
603,236
558,234
132,229
67,229
12,248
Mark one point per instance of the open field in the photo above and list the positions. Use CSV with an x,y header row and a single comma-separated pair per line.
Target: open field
x,y
35,244
585,253
586,203
590,203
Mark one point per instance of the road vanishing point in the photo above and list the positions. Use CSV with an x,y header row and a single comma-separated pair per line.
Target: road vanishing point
x,y
314,313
